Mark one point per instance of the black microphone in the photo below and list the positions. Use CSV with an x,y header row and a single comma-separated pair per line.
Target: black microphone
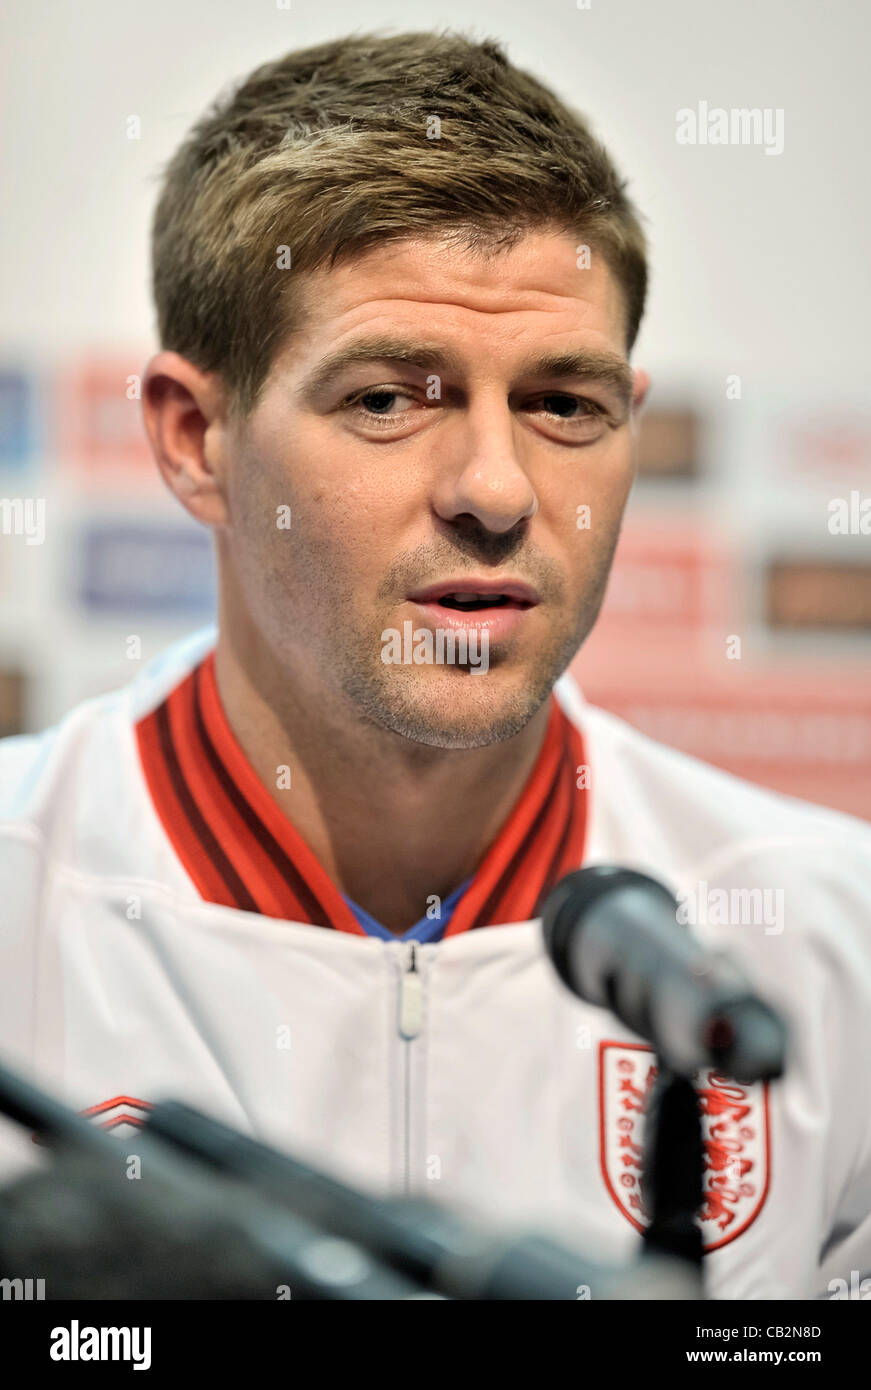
x,y
615,941
453,1255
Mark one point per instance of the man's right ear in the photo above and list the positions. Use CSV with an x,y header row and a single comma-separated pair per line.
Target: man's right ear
x,y
185,419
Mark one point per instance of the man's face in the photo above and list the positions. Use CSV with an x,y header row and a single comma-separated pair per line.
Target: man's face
x,y
454,466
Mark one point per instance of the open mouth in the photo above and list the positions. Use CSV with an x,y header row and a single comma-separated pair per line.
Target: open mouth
x,y
497,607
478,594
473,603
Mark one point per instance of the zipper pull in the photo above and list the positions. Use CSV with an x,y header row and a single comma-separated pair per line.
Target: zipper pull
x,y
410,997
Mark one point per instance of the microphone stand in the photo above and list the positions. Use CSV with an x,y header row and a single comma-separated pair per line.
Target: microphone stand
x,y
672,1166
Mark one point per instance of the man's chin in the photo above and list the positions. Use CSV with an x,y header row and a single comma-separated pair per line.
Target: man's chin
x,y
457,708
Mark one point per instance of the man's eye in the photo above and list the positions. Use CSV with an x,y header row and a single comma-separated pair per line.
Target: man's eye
x,y
389,403
376,402
570,407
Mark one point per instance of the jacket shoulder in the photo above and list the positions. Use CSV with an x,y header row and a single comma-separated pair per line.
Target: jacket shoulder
x,y
78,787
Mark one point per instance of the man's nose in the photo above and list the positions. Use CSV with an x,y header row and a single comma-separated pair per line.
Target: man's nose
x,y
487,479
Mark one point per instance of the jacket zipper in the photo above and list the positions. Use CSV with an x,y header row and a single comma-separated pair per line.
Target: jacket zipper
x,y
410,1019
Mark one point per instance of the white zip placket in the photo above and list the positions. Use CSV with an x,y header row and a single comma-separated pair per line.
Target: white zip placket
x,y
409,1025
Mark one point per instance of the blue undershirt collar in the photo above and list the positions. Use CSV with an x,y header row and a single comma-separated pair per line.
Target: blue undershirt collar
x,y
427,929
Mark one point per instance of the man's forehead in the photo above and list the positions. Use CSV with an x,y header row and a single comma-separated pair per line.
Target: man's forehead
x,y
423,291
544,271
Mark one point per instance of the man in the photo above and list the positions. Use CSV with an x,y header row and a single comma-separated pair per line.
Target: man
x,y
292,874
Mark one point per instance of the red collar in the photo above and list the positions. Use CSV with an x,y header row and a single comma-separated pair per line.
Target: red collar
x,y
241,851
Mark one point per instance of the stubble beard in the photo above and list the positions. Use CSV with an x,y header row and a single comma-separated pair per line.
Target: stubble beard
x,y
452,708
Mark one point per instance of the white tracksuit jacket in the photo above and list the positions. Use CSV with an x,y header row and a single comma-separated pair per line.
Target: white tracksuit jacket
x,y
494,1090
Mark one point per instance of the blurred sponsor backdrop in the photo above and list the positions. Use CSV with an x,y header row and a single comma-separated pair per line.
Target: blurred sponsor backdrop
x,y
737,624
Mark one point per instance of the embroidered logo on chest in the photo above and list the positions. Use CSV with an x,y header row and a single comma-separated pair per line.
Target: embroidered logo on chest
x,y
735,1132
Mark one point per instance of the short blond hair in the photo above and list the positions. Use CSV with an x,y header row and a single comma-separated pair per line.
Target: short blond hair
x,y
328,151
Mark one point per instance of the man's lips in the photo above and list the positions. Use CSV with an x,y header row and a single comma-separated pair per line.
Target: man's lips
x,y
513,593
443,605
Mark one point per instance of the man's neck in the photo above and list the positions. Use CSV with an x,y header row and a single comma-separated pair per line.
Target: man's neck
x,y
391,821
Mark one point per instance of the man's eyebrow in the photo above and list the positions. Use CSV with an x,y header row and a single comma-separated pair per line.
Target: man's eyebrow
x,y
429,357
608,368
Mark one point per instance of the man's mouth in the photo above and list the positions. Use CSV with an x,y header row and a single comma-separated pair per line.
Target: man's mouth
x,y
471,603
478,597
497,607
